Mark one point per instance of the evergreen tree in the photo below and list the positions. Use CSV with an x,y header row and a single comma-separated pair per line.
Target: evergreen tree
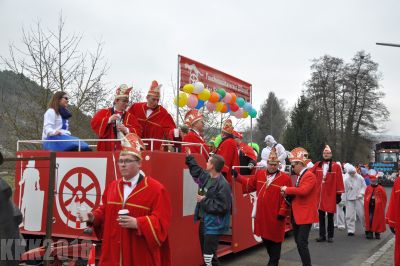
x,y
272,119
303,130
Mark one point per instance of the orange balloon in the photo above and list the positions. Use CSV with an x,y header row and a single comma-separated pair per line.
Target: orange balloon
x,y
224,108
233,98
214,97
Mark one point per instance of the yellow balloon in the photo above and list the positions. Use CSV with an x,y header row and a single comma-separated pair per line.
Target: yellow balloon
x,y
188,88
204,95
182,99
218,106
245,114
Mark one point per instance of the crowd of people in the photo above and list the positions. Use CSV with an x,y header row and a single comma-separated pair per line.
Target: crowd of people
x,y
319,192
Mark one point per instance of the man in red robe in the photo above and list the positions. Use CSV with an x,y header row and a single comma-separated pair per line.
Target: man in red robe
x,y
304,203
393,218
114,122
247,156
374,207
271,208
140,237
194,120
228,150
155,120
330,188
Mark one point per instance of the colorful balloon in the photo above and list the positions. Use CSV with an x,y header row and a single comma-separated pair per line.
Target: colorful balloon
x,y
183,98
204,95
233,100
188,88
198,87
239,113
245,114
240,101
224,108
221,92
247,106
192,101
214,97
219,106
210,106
200,104
234,107
227,98
253,113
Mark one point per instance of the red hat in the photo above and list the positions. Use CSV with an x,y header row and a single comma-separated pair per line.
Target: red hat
x,y
273,156
299,154
132,144
154,89
123,91
237,134
192,117
227,127
327,149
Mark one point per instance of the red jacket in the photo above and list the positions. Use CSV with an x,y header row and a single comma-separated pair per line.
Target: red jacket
x,y
378,220
193,137
229,150
393,218
270,203
304,204
329,186
156,126
104,130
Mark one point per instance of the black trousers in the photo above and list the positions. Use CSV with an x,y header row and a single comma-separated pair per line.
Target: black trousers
x,y
209,245
301,233
322,226
274,251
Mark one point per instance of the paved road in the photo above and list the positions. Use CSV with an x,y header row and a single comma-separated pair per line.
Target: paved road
x,y
345,250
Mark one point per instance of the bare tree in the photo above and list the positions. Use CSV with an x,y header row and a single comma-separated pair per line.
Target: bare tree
x,y
54,61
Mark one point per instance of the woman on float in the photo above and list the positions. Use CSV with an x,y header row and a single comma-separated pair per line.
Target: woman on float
x,y
55,126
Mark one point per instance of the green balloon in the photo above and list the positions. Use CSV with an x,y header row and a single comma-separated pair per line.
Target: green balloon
x,y
222,93
240,101
253,113
255,146
217,140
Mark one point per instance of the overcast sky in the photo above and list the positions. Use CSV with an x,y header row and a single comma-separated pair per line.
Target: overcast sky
x,y
269,44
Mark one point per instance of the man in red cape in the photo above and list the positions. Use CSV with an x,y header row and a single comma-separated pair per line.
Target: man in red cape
x,y
140,237
374,207
393,218
114,122
271,208
304,202
330,187
228,149
194,120
247,156
155,120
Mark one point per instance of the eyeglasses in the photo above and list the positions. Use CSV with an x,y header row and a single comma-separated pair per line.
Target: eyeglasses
x,y
66,98
124,100
126,161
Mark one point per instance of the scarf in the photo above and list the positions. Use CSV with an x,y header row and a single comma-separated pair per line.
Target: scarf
x,y
65,115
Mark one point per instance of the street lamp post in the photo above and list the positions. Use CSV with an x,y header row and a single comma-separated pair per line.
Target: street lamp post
x,y
388,44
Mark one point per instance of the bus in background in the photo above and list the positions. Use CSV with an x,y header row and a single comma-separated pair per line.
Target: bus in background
x,y
387,155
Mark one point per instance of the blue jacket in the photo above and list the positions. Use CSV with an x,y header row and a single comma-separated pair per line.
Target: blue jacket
x,y
218,201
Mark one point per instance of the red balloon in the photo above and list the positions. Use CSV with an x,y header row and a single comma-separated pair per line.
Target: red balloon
x,y
234,107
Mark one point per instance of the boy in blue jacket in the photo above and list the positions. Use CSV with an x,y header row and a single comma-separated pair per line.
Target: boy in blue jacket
x,y
214,201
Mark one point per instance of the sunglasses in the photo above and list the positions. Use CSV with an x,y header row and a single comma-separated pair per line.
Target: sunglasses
x,y
66,98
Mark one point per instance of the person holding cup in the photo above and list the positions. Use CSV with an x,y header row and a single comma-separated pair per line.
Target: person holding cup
x,y
115,122
135,214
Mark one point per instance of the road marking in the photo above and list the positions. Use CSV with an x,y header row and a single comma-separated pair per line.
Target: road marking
x,y
377,255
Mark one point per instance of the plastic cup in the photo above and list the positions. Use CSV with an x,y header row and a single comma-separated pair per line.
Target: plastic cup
x,y
176,132
83,212
123,212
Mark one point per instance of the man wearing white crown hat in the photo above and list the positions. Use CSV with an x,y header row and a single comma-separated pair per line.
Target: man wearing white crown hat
x,y
270,206
155,120
115,122
330,187
140,237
